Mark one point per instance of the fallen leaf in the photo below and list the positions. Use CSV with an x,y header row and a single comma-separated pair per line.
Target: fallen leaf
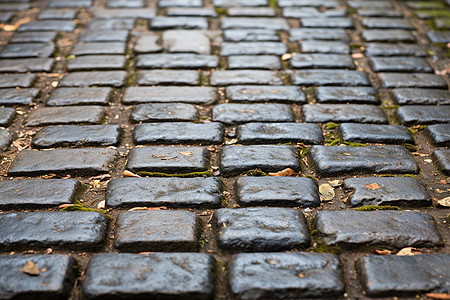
x,y
147,208
164,157
230,142
345,153
357,55
408,251
443,181
326,192
443,202
428,160
14,26
65,205
248,111
383,252
95,183
186,153
100,177
48,176
285,172
129,174
48,251
101,204
335,183
211,148
372,186
30,268
286,56
438,296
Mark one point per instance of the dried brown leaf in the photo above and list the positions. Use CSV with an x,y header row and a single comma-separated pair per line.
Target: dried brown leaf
x,y
326,192
285,172
438,296
129,174
65,205
372,186
443,202
186,153
101,204
100,177
408,251
147,208
383,252
164,157
30,268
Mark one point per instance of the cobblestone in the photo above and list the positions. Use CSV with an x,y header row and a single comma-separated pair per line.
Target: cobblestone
x,y
439,134
368,133
77,96
343,113
421,96
442,160
66,115
240,113
249,93
415,114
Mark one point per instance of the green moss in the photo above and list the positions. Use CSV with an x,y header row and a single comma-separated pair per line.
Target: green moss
x,y
221,11
304,152
433,13
81,207
409,175
70,57
202,242
417,128
203,80
410,147
334,142
376,207
224,202
331,125
256,172
160,174
273,3
221,64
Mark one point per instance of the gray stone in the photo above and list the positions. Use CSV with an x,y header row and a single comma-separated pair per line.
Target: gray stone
x,y
147,44
77,96
251,35
96,62
105,35
300,34
399,80
111,24
126,276
88,161
233,77
250,93
17,80
421,96
253,48
324,61
301,3
242,113
261,229
439,37
24,65
69,3
425,5
186,41
56,284
277,191
322,113
125,3
65,115
370,4
27,50
177,60
164,112
160,23
393,228
7,114
330,160
381,275
77,136
378,12
191,12
387,35
178,133
57,14
407,191
423,114
254,23
385,23
82,79
14,6
312,12
137,231
251,12
441,158
159,191
164,94
388,49
439,134
99,48
331,94
180,3
167,159
335,22
233,3
5,16
267,62
269,158
271,133
368,133
330,77
5,139
172,77
123,13
48,25
17,96
399,64
338,47
285,275
73,230
33,37
23,193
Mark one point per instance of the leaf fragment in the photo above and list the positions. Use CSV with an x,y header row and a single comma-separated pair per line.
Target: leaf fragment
x,y
372,186
383,252
30,268
186,153
147,208
408,251
443,202
326,192
127,173
438,296
285,172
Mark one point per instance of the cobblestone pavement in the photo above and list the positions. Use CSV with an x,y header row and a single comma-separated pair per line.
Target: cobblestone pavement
x,y
140,138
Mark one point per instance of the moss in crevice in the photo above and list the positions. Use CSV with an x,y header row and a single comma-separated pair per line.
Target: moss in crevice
x,y
334,142
221,11
256,172
160,174
376,207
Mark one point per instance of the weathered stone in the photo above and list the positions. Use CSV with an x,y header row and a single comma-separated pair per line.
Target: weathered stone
x,y
277,191
125,3
65,230
301,3
174,61
65,115
17,96
423,114
159,23
387,35
368,133
267,62
57,14
439,134
97,62
399,64
5,16
178,133
173,77
77,96
164,112
186,41
180,3
77,136
335,22
378,12
312,12
251,35
48,25
159,191
421,96
271,133
147,44
70,3
388,49
242,113
33,37
166,159
331,94
137,231
330,160
56,284
439,37
406,191
27,50
123,13
109,78
300,34
52,192
327,61
250,93
400,80
393,228
185,94
381,275
425,4
17,80
309,46
251,12
104,35
191,12
253,48
322,113
386,23
254,23
14,6
99,48
186,276
26,65
285,275
233,77
111,24
269,158
441,158
5,139
330,77
7,114
261,229
370,4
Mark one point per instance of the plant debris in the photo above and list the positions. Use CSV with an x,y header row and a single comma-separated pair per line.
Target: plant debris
x,y
285,172
30,268
372,186
445,203
326,192
408,251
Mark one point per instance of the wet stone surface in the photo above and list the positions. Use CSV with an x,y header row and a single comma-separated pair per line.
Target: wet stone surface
x,y
33,37
299,34
159,23
249,93
327,61
80,96
399,64
277,191
394,228
48,25
98,48
442,160
5,139
254,23
17,80
388,49
164,112
65,115
343,113
194,95
97,62
311,46
80,79
267,62
27,50
240,35
331,94
223,78
415,114
413,96
368,133
27,65
439,134
176,60
387,35
413,80
105,35
7,114
261,229
330,77
241,113
173,77
253,48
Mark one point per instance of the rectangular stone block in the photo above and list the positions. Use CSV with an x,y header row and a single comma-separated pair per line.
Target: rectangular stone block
x,y
412,80
157,112
369,133
17,96
91,78
331,94
176,61
322,113
65,115
423,114
164,94
251,93
80,96
330,77
242,77
230,113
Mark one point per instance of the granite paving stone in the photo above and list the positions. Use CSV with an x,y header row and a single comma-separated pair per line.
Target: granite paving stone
x,y
233,77
171,77
165,159
127,4
110,24
389,49
406,96
439,37
267,62
104,35
180,3
311,46
251,12
387,35
52,192
48,25
94,78
251,93
330,77
380,275
147,44
399,64
127,275
88,161
164,94
378,12
322,113
393,228
441,158
65,115
297,34
382,23
425,4
7,114
333,160
79,96
156,112
55,284
335,22
332,94
285,275
268,158
241,113
17,80
423,114
312,12
26,65
324,61
251,35
277,191
33,37
370,4
57,14
5,139
71,3
233,3
261,229
27,50
123,13
191,11
405,191
14,6
271,133
137,231
254,23
369,133
412,80
64,230
77,136
430,14
160,23
176,60
179,133
98,48
96,62
300,3
186,41
5,16
439,134
253,48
